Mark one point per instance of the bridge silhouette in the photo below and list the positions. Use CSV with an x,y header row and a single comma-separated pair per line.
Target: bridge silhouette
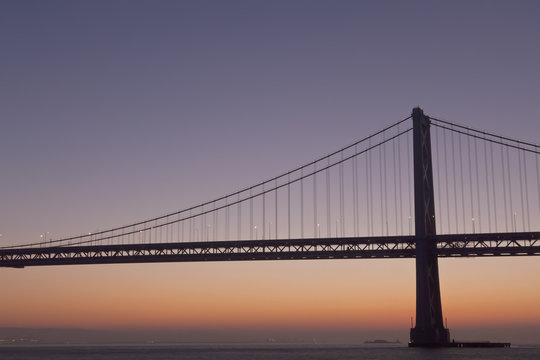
x,y
376,198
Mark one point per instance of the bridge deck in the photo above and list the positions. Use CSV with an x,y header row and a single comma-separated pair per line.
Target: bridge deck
x,y
462,245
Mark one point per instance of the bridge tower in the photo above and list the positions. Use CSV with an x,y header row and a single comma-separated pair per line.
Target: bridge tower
x,y
429,329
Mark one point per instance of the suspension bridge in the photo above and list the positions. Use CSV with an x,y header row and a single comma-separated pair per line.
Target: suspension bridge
x,y
420,188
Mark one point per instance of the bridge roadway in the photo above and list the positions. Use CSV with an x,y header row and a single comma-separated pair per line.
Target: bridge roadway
x,y
461,245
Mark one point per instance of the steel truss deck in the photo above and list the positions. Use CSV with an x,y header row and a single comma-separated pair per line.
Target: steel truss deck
x,y
461,245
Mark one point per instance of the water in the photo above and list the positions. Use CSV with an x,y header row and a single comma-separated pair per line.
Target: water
x,y
259,352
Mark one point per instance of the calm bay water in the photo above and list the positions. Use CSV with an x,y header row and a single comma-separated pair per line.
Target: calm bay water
x,y
259,352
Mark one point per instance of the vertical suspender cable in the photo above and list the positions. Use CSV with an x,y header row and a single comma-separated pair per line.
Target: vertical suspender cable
x,y
263,212
454,173
190,226
227,219
199,231
512,214
178,229
487,185
357,187
343,232
477,185
446,179
251,213
493,188
302,203
381,189
239,220
526,193
167,230
289,205
357,197
355,210
371,206
385,200
521,192
276,210
203,225
368,205
409,182
400,186
504,188
460,149
438,213
315,200
328,218
215,222
342,196
157,232
470,180
395,185
171,231
538,181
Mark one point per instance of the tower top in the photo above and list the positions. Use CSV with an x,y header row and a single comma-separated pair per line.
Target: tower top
x,y
417,111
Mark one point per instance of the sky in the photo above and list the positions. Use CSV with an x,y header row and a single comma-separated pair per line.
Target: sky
x,y
116,111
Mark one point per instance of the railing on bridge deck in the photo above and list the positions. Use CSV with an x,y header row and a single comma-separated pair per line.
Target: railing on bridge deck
x,y
468,245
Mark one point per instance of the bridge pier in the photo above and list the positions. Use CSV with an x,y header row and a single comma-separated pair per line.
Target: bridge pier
x,y
429,330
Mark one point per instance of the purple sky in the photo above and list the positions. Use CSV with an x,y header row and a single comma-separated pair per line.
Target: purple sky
x,y
116,111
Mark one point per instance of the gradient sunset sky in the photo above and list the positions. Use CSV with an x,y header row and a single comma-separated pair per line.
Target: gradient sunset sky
x,y
116,111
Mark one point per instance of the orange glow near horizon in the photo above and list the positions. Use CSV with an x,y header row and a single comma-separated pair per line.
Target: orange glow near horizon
x,y
353,294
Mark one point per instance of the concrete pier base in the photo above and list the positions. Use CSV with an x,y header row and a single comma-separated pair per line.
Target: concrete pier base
x,y
425,336
462,344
